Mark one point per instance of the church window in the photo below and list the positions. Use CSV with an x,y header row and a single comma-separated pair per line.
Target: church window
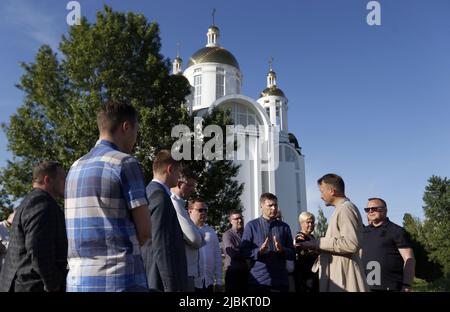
x,y
220,82
243,116
297,180
278,115
197,89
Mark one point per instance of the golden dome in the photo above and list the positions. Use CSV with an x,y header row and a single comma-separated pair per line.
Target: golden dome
x,y
213,55
272,91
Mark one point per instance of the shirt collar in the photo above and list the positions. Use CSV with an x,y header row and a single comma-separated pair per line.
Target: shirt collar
x,y
268,221
237,232
166,188
384,224
341,201
107,143
175,195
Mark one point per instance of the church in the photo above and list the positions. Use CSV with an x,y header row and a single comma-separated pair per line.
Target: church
x,y
216,80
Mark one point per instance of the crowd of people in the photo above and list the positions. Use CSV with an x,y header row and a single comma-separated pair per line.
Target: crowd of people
x,y
116,234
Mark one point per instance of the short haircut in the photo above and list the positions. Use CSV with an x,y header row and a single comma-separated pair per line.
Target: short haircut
x,y
279,215
234,211
162,160
113,113
305,215
268,196
45,168
186,173
194,200
334,181
379,199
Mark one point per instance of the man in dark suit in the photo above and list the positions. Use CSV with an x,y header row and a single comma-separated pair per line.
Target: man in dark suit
x,y
164,256
37,253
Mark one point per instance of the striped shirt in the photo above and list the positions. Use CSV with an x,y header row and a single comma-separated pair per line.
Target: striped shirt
x,y
102,188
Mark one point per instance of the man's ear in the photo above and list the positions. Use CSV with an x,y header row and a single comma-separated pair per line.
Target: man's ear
x,y
332,191
46,180
169,169
125,126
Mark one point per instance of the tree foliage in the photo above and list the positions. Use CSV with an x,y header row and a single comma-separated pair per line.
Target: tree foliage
x,y
116,58
322,224
431,238
425,268
437,221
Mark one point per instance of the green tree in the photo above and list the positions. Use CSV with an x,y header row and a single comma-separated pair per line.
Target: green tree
x,y
425,268
436,227
5,205
116,58
322,224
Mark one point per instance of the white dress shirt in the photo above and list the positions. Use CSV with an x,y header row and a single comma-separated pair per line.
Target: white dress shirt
x,y
193,237
210,260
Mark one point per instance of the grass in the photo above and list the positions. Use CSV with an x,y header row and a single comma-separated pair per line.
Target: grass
x,y
439,285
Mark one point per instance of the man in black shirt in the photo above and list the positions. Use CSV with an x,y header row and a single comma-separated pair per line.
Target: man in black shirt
x,y
386,251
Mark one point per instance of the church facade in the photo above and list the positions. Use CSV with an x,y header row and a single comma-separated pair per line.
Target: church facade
x,y
216,81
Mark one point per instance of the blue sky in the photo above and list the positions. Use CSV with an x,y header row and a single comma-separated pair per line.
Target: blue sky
x,y
369,103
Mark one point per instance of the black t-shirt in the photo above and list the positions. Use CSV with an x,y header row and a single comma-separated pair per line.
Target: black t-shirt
x,y
381,244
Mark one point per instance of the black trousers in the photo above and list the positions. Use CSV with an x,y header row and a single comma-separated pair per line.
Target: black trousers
x,y
236,281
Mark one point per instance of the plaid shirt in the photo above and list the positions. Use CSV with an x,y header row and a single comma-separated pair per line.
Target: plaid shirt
x,y
102,188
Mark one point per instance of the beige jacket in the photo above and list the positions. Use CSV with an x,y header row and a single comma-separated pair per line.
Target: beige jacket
x,y
339,265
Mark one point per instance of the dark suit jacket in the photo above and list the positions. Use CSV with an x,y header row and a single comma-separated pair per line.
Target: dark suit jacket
x,y
37,253
165,260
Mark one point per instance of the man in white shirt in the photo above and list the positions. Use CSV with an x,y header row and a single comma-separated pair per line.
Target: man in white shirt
x,y
210,278
193,238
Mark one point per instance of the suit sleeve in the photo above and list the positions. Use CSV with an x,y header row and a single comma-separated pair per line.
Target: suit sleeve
x,y
162,247
348,241
41,230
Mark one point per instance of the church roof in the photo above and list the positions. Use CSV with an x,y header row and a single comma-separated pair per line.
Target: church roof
x,y
213,55
274,90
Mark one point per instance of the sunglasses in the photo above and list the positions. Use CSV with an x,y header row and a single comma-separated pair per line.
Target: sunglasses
x,y
376,209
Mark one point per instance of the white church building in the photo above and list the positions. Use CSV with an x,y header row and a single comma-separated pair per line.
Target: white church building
x,y
216,81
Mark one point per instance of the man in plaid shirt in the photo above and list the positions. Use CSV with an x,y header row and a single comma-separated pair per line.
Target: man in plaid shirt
x,y
106,209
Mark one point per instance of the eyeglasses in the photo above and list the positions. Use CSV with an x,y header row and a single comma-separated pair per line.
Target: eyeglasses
x,y
376,209
201,210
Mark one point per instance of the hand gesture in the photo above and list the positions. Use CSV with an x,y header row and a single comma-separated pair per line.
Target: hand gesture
x,y
264,246
278,246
